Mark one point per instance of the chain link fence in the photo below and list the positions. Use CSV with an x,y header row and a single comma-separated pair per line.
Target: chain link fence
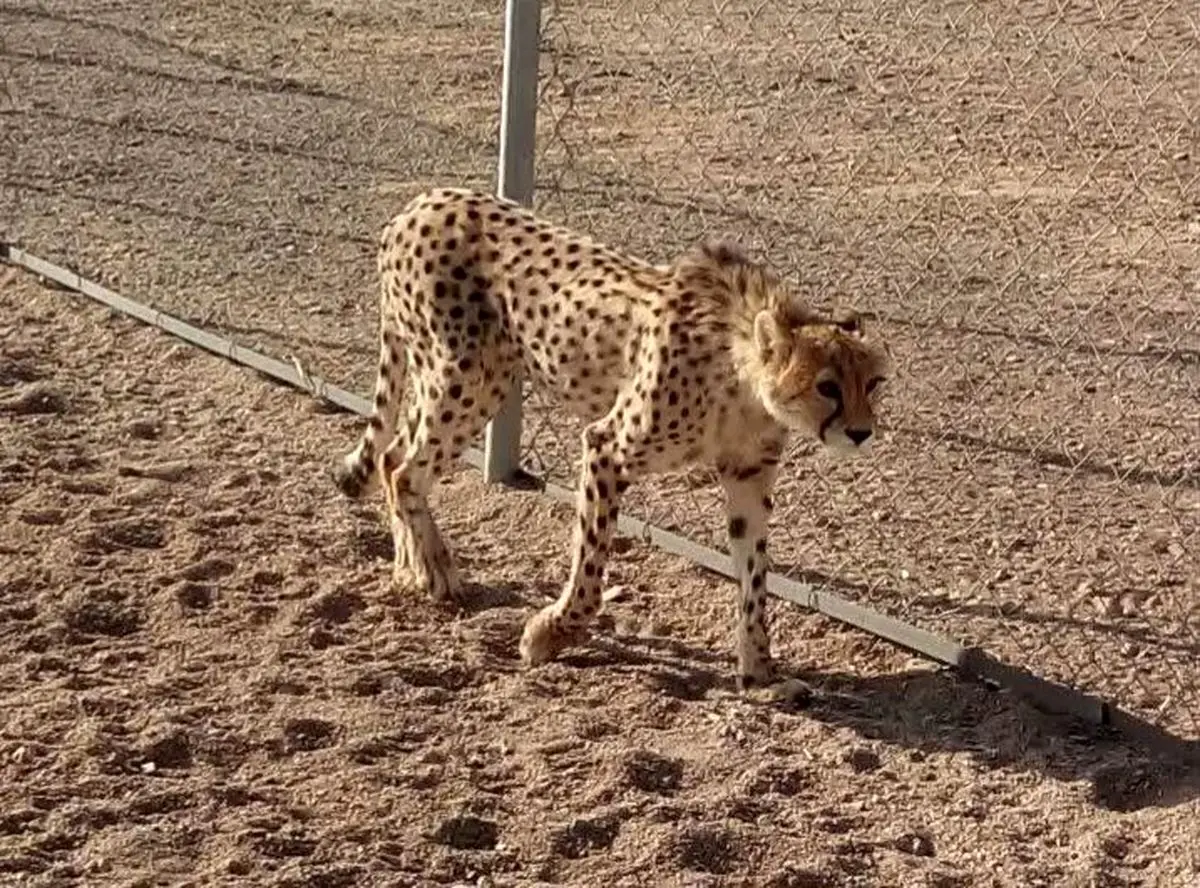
x,y
1012,192
233,163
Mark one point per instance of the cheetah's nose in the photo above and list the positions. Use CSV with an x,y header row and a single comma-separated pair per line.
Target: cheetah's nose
x,y
858,435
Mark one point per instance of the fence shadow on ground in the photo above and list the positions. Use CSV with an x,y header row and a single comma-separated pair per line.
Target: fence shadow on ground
x,y
1009,611
1155,353
240,77
192,218
266,83
1185,477
915,712
928,711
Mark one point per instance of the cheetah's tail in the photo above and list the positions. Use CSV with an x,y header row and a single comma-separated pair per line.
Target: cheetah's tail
x,y
357,474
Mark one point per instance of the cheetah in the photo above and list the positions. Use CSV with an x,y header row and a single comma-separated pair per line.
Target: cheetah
x,y
706,360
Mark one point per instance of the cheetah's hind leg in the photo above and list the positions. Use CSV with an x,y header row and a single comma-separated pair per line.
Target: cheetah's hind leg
x,y
450,408
358,472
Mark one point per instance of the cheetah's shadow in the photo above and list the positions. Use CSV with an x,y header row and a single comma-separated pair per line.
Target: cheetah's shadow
x,y
925,711
477,596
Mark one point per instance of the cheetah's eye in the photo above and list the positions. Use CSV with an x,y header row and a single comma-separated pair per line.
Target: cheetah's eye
x,y
871,384
829,389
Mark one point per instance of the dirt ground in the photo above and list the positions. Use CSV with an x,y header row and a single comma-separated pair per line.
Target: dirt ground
x,y
207,681
1013,194
1011,191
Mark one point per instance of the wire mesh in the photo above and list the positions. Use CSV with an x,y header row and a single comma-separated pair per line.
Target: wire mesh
x,y
1011,191
234,162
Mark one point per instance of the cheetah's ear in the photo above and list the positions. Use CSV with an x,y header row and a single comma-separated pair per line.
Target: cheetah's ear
x,y
723,252
848,320
769,338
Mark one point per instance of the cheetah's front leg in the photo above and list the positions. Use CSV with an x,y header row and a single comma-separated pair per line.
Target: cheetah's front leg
x,y
565,622
748,507
421,557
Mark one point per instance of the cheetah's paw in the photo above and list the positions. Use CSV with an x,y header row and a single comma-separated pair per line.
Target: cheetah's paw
x,y
545,637
756,673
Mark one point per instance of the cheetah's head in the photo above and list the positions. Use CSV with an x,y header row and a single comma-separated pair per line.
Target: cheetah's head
x,y
821,375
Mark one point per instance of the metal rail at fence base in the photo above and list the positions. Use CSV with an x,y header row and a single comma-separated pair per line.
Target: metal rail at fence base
x,y
972,663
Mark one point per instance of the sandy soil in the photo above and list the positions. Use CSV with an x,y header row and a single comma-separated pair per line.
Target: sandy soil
x,y
1014,196
207,681
1012,193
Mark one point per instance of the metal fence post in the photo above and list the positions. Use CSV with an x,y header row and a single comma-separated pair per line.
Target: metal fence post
x,y
518,124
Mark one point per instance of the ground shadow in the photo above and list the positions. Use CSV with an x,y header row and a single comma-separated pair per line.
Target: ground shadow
x,y
253,79
1166,478
933,710
244,144
478,597
1147,636
1155,353
473,598
238,77
1010,612
192,218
